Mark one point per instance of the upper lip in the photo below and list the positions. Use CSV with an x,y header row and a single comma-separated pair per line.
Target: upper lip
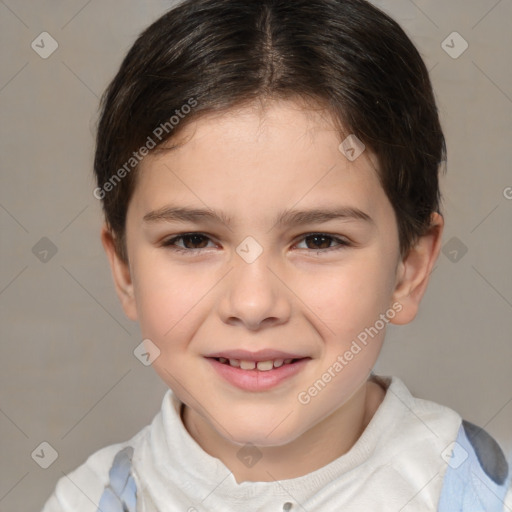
x,y
259,355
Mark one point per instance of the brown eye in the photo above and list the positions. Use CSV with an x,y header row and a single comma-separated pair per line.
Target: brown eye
x,y
323,241
191,242
320,241
194,240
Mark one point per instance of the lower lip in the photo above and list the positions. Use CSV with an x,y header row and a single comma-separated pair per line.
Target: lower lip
x,y
256,380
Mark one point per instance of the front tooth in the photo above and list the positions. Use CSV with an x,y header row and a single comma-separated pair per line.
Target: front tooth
x,y
247,365
264,366
234,362
278,363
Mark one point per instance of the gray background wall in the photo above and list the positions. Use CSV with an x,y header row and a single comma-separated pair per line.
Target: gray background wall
x,y
68,375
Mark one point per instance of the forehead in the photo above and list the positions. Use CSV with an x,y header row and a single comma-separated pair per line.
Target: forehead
x,y
258,159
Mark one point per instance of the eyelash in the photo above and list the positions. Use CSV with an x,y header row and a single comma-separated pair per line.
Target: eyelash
x,y
170,243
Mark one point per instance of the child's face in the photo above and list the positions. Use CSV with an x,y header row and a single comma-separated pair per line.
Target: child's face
x,y
307,297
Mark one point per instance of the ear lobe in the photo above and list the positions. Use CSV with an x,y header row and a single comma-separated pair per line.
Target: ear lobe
x,y
121,274
414,271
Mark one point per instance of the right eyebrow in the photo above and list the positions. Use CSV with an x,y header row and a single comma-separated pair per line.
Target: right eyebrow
x,y
182,214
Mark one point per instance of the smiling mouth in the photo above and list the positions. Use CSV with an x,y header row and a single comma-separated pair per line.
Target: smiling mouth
x,y
262,366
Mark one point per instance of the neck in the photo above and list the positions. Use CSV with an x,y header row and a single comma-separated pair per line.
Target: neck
x,y
328,440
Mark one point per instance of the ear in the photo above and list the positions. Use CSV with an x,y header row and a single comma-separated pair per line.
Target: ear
x,y
414,271
121,274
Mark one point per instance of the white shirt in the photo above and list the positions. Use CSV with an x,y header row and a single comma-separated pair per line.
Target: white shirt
x,y
396,465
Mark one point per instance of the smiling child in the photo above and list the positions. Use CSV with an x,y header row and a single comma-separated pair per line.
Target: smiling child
x,y
269,176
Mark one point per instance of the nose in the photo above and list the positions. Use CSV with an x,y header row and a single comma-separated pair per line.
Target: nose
x,y
254,296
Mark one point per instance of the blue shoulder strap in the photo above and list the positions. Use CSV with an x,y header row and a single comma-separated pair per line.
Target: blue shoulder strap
x,y
476,479
120,495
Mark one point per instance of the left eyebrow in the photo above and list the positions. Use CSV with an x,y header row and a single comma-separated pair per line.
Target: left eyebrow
x,y
319,215
284,218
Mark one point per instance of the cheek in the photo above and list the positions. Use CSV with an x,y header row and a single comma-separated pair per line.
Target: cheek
x,y
166,297
347,300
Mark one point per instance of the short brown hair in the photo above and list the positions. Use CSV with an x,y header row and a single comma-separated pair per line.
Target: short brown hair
x,y
346,55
